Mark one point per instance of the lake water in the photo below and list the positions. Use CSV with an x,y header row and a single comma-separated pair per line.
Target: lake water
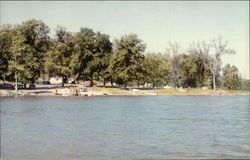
x,y
126,127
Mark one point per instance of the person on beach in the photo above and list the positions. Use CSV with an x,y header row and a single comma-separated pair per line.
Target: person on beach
x,y
94,87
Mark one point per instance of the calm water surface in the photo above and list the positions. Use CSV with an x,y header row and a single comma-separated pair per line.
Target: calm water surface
x,y
152,127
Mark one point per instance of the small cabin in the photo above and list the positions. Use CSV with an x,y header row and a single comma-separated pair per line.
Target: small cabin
x,y
56,80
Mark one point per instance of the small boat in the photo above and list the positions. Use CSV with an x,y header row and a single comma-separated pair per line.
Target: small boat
x,y
17,93
69,94
66,92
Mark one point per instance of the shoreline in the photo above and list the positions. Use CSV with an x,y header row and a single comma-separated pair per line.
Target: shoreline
x,y
125,95
51,91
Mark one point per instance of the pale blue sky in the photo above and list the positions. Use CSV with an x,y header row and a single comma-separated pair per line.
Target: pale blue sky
x,y
156,23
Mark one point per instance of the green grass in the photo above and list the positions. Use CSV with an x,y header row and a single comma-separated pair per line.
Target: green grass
x,y
199,92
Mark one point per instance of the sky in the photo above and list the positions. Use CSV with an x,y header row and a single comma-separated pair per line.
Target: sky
x,y
156,23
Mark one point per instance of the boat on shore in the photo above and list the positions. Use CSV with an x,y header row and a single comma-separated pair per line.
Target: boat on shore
x,y
20,93
67,91
69,94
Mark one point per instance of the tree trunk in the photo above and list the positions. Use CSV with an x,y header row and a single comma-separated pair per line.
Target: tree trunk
x,y
104,82
111,81
15,81
125,85
214,82
15,76
214,74
76,76
25,85
92,82
62,81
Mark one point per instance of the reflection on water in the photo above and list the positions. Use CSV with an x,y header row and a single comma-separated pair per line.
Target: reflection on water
x,y
152,127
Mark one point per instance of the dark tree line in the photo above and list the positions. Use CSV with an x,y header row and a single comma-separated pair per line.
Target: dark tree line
x,y
28,52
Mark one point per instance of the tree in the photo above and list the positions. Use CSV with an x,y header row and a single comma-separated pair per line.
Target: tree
x,y
36,34
6,34
204,62
98,65
245,84
83,46
190,70
32,38
21,60
157,68
127,62
220,48
174,52
231,78
211,64
59,59
93,51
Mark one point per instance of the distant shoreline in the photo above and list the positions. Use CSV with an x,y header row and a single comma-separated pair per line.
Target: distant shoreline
x,y
101,91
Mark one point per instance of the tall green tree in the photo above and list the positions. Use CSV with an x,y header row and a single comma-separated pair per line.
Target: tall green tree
x,y
127,62
230,77
85,46
157,68
59,59
21,63
32,36
6,34
189,69
101,53
37,37
94,51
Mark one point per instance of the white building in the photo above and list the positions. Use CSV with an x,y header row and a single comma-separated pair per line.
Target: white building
x,y
56,80
71,80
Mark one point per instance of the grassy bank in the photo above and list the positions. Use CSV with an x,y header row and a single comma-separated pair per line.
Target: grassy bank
x,y
200,92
